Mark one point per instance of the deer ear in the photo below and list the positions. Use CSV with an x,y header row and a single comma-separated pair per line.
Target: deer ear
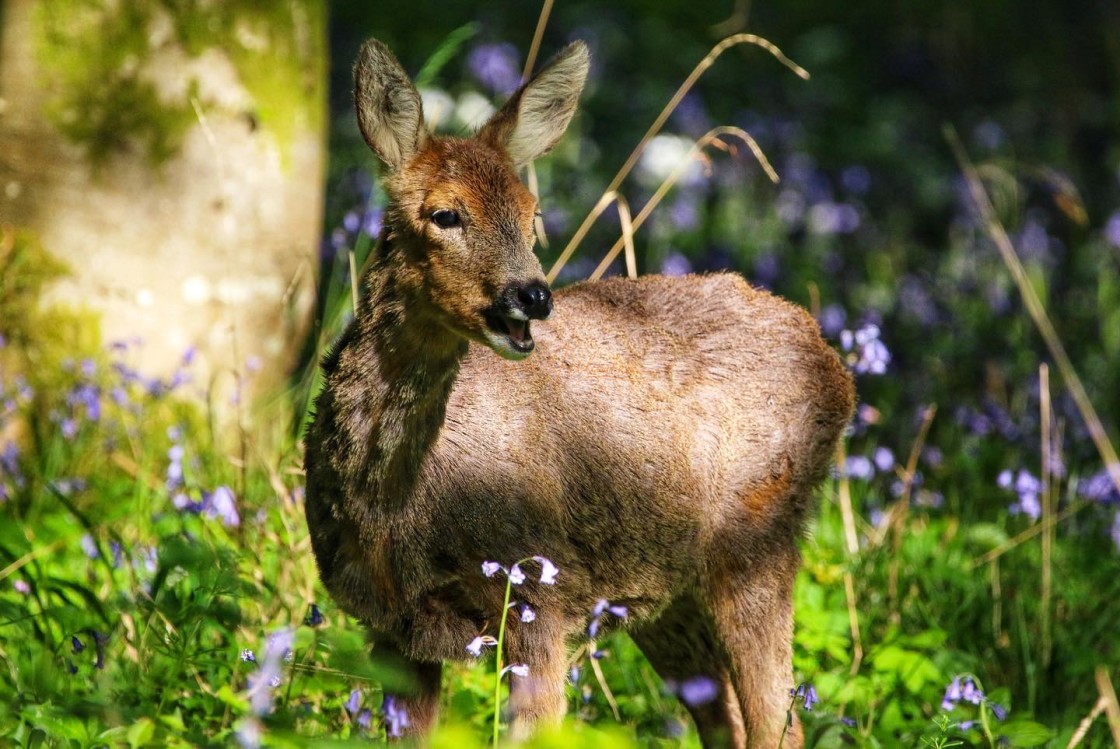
x,y
537,114
390,115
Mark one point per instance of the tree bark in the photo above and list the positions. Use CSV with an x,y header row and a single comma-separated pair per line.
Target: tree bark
x,y
173,158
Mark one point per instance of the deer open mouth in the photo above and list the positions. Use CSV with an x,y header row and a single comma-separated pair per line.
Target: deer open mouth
x,y
513,326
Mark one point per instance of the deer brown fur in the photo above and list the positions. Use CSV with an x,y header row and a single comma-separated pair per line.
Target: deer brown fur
x,y
661,446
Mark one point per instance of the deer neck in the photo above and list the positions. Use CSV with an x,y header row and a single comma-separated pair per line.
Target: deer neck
x,y
415,361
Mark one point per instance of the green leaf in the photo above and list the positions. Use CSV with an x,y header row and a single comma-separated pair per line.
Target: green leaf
x,y
1026,733
443,54
141,733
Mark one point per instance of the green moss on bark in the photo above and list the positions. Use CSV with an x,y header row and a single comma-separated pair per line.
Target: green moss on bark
x,y
94,56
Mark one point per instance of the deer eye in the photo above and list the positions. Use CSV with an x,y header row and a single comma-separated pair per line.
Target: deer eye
x,y
445,218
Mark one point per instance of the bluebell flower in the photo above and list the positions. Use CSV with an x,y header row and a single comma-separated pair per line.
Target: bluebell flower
x,y
602,607
859,467
495,66
89,546
76,644
365,719
849,722
998,710
314,616
549,571
1027,487
866,352
698,690
1112,229
355,702
966,725
248,733
248,656
952,694
527,613
474,647
278,647
517,669
220,504
394,716
490,568
856,179
883,459
676,264
810,697
1099,488
832,319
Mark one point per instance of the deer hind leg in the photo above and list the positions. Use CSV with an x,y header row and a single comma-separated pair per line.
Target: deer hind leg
x,y
683,647
538,698
413,709
752,603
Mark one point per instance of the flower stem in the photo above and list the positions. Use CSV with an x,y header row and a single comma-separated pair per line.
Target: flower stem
x,y
498,662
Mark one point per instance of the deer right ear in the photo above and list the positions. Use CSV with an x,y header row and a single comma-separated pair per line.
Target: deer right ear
x,y
390,114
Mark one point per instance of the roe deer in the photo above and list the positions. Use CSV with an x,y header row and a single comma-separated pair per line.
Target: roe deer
x,y
662,445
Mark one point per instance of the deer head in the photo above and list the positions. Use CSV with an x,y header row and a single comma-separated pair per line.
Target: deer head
x,y
460,221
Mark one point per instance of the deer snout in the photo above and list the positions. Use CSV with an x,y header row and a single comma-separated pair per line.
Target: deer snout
x,y
507,320
535,299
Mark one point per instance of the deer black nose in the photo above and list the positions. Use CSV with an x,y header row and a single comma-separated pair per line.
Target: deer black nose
x,y
536,300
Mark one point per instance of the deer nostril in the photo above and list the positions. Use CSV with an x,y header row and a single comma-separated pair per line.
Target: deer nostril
x,y
536,300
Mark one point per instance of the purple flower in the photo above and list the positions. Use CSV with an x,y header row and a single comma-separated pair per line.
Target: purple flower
x,y
867,354
355,702
517,669
1027,487
314,616
365,719
22,587
268,676
1112,229
549,571
89,546
698,690
883,459
220,504
248,656
855,179
859,467
952,694
495,66
971,693
998,710
832,319
248,733
603,607
490,568
527,614
76,644
394,716
1099,488
516,576
474,647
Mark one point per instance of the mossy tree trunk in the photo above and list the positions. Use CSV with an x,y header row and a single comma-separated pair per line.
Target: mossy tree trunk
x,y
171,156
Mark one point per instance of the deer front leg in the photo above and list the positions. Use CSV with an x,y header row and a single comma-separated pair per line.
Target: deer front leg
x,y
537,698
411,712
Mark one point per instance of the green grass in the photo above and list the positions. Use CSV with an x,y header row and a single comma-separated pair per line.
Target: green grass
x,y
123,618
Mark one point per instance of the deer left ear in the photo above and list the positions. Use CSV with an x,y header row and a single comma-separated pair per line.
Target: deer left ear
x,y
538,113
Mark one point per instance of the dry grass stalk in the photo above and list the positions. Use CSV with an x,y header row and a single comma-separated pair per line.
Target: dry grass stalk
x,y
1111,706
712,137
627,237
901,509
655,128
1047,501
1041,319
